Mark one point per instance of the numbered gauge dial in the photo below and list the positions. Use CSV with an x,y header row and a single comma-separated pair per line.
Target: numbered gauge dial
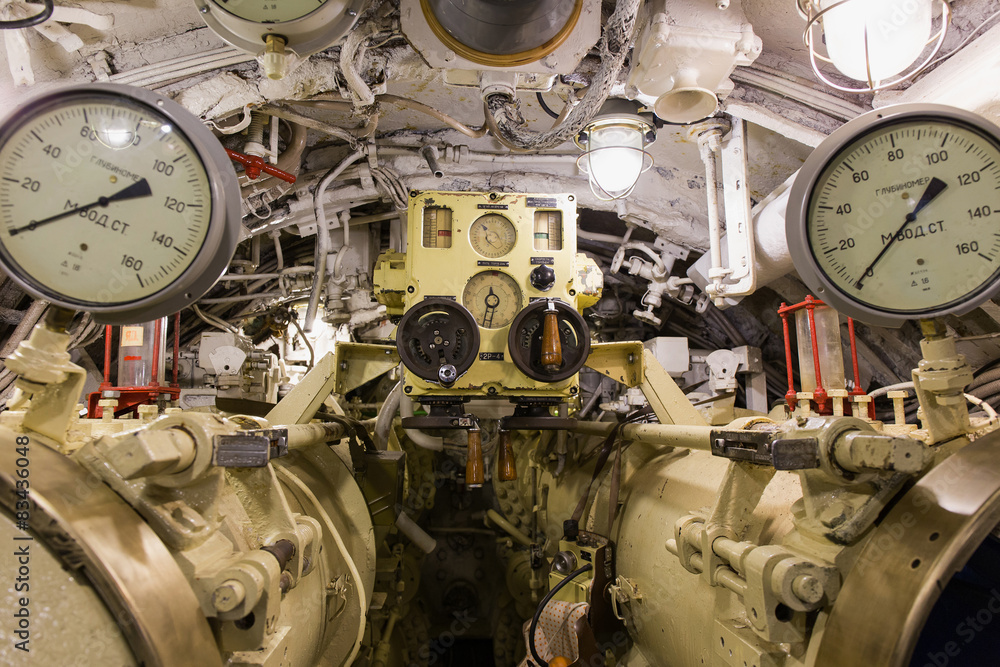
x,y
275,11
111,200
437,340
492,235
896,216
493,298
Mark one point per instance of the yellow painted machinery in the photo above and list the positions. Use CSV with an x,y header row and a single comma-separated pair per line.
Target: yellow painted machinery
x,y
476,261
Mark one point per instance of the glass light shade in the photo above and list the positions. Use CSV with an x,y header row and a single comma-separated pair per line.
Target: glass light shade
x,y
897,32
615,158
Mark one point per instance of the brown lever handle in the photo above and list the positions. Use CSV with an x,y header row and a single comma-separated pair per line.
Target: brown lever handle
x,y
506,468
551,345
474,467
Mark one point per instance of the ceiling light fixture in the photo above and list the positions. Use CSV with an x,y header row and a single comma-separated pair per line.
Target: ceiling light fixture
x,y
614,149
874,41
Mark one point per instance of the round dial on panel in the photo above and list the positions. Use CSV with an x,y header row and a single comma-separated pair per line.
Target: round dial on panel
x,y
273,11
896,216
111,201
492,235
549,341
493,298
437,340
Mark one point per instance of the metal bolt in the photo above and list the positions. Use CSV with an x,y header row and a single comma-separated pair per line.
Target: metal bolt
x,y
228,596
898,410
203,10
808,588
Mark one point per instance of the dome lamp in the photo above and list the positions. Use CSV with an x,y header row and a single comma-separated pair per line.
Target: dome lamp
x,y
875,41
614,149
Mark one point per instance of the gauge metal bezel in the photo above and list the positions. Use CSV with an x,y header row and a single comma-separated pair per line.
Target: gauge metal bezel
x,y
509,280
512,228
804,188
305,35
224,222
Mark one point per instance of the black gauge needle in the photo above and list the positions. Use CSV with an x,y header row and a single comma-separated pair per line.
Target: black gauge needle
x,y
492,301
134,191
934,188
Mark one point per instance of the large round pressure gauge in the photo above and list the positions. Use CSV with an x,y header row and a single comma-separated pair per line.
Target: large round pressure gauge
x,y
116,201
304,26
896,216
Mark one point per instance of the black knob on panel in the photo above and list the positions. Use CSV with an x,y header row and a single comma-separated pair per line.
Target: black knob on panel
x,y
543,278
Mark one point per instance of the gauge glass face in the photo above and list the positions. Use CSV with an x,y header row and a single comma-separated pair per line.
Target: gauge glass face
x,y
270,11
492,235
493,298
907,218
437,227
102,200
548,230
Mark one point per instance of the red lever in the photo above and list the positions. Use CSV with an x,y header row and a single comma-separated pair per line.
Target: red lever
x,y
253,165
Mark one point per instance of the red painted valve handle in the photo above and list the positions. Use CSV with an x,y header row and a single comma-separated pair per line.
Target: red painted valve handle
x,y
253,165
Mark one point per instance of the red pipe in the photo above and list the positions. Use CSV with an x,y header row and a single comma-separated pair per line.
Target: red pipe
x,y
157,330
854,358
790,397
108,331
177,346
253,165
819,394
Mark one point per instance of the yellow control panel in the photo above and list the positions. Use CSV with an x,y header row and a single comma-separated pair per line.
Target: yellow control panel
x,y
493,253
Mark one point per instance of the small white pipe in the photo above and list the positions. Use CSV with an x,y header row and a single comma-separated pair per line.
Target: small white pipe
x,y
418,437
604,238
383,423
323,235
243,297
415,533
709,143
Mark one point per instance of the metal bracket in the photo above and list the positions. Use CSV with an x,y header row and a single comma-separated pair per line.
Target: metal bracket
x,y
759,448
442,414
742,279
623,592
357,363
620,361
249,449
